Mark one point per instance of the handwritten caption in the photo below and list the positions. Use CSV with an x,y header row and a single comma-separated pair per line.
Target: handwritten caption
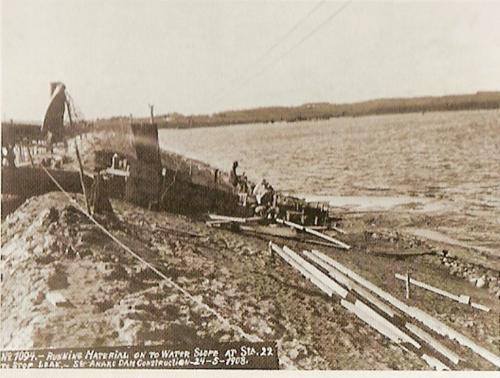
x,y
262,355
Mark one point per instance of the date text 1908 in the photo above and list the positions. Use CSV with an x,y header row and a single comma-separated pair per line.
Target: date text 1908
x,y
241,355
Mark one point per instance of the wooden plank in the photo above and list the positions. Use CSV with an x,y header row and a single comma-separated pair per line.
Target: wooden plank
x,y
407,282
336,288
117,172
234,219
218,222
318,242
328,238
360,309
389,330
428,287
434,363
315,233
453,357
381,324
480,307
351,285
431,322
318,228
458,298
340,277
301,269
282,232
339,230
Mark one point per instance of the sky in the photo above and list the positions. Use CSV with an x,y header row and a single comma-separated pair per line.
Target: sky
x,y
192,57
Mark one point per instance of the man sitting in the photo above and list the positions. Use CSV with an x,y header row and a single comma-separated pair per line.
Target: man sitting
x,y
264,194
260,190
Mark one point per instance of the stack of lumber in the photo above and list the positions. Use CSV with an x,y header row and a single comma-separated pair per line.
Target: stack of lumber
x,y
401,323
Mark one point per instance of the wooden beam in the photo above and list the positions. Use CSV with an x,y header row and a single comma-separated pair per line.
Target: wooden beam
x,y
234,219
315,233
431,322
319,242
118,172
452,356
378,322
407,281
217,222
458,298
480,307
336,288
360,309
82,182
301,269
319,228
351,285
339,230
343,279
434,363
30,156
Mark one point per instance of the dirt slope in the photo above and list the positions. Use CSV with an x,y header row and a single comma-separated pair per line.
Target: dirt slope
x,y
48,247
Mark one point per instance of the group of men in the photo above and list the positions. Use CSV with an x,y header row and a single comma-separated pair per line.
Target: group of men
x,y
261,196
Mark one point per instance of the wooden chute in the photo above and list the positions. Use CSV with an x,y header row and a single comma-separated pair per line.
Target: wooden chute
x,y
53,123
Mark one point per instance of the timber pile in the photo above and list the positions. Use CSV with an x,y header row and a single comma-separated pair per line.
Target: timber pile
x,y
261,226
401,323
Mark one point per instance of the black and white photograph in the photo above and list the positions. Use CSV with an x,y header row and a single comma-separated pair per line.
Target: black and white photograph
x,y
250,185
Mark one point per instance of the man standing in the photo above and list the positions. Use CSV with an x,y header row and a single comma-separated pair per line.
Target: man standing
x,y
233,177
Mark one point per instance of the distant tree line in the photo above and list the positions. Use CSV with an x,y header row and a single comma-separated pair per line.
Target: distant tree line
x,y
321,111
312,111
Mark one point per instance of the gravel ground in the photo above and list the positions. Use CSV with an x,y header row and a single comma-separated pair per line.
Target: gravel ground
x,y
111,299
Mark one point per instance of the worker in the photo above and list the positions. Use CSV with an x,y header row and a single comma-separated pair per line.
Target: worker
x,y
99,195
260,190
114,161
10,156
266,200
243,183
233,176
260,193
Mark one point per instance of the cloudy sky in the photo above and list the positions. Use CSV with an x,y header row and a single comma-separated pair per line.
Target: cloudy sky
x,y
115,57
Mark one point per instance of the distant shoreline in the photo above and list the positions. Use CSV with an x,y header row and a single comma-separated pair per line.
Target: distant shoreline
x,y
322,111
486,100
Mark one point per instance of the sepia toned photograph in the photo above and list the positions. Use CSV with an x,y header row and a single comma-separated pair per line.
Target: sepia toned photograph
x,y
252,185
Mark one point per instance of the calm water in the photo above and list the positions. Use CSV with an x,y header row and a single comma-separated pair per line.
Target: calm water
x,y
452,153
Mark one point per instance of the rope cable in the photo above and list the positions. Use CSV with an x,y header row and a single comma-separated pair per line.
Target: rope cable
x,y
223,320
